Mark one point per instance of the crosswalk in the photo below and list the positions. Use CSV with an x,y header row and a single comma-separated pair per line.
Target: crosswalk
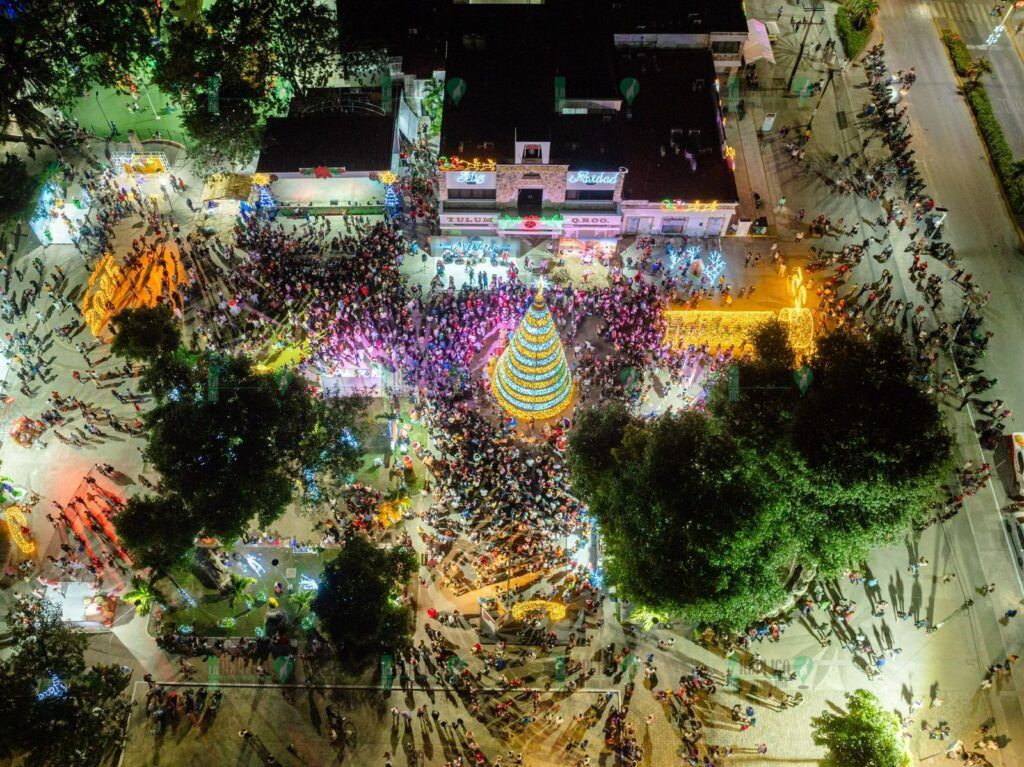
x,y
977,12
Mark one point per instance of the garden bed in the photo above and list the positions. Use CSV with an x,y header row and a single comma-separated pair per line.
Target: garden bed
x,y
999,150
852,39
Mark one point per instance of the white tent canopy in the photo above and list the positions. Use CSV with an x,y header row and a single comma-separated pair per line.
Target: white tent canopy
x,y
757,45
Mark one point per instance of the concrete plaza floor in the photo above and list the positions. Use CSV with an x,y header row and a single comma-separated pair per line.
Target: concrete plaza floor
x,y
297,715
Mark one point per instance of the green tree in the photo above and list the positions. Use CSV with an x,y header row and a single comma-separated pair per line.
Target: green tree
x,y
240,61
861,11
145,333
225,140
708,515
767,391
977,68
867,414
157,530
867,735
237,589
143,595
53,52
302,600
16,186
228,440
62,728
359,603
686,523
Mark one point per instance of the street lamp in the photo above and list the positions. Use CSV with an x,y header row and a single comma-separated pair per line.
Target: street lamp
x,y
828,81
815,7
993,38
104,113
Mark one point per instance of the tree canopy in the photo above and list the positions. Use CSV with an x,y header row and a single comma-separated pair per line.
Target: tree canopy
x,y
707,514
157,530
53,51
146,332
358,601
867,735
61,727
229,443
239,61
682,520
16,186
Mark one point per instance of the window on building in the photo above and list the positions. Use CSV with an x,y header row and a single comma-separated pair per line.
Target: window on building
x,y
673,225
589,194
725,46
471,194
531,152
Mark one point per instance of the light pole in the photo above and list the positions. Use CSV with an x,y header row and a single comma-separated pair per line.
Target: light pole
x,y
98,104
828,81
803,42
993,38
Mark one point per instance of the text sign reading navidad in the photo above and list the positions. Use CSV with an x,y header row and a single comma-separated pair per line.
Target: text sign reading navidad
x,y
590,179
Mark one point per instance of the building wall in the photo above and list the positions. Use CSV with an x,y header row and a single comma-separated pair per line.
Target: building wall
x,y
512,178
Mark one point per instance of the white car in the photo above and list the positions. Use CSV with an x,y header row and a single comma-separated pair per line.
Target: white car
x,y
1017,456
1015,527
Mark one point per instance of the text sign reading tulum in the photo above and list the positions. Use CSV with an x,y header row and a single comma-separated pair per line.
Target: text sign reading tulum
x,y
468,221
471,177
588,178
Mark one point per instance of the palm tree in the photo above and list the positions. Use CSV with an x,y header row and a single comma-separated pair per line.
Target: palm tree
x,y
861,11
302,600
143,594
978,68
237,588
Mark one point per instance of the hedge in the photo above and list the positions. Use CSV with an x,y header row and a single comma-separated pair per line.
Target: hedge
x,y
853,39
992,132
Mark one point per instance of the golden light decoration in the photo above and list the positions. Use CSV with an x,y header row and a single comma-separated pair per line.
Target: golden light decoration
x,y
689,207
144,164
732,329
455,163
112,288
387,177
16,525
556,611
531,378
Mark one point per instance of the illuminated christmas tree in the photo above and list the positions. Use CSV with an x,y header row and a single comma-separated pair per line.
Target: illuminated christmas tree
x,y
531,378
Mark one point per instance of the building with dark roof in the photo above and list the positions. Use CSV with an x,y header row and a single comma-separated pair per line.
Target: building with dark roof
x,y
558,130
587,118
354,142
329,150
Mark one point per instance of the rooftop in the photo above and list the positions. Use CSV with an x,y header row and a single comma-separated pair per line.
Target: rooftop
x,y
677,16
671,136
357,141
418,30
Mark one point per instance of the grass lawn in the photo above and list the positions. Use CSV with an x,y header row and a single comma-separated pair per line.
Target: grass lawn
x,y
105,105
212,607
